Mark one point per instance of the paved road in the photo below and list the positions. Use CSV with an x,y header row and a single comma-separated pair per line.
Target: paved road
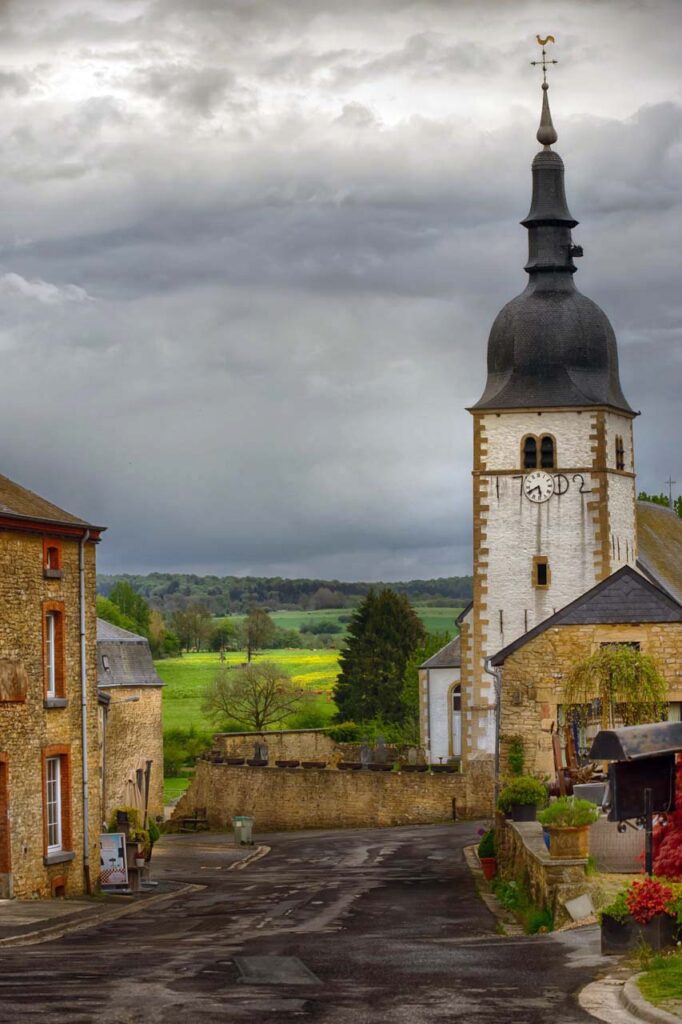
x,y
343,928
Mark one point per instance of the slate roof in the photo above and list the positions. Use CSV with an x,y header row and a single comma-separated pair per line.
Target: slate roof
x,y
123,658
447,657
16,500
625,596
659,536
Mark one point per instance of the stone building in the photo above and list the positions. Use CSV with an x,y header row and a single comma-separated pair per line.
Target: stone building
x,y
554,503
49,788
131,730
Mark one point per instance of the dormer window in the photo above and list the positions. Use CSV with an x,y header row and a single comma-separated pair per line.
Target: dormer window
x,y
620,453
538,452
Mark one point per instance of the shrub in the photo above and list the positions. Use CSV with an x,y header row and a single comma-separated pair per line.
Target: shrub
x,y
344,732
516,757
569,812
647,899
617,909
524,789
486,847
668,839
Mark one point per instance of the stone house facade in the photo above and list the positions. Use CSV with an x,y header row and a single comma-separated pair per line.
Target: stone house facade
x,y
131,729
50,809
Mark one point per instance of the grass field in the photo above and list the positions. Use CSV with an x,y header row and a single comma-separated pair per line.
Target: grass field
x,y
187,677
436,620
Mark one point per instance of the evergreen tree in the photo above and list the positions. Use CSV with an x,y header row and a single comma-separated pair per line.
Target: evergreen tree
x,y
382,635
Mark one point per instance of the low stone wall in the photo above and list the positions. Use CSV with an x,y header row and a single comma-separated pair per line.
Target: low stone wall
x,y
523,856
300,745
297,798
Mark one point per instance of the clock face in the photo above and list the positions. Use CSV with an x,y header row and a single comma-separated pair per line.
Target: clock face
x,y
538,486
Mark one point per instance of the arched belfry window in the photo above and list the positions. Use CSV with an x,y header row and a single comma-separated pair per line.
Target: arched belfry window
x,y
530,453
547,452
620,452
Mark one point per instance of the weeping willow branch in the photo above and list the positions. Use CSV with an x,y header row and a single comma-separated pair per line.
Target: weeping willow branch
x,y
626,683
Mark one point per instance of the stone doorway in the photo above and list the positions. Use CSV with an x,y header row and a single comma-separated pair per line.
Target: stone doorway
x,y
5,859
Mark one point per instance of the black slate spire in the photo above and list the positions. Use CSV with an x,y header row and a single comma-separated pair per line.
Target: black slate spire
x,y
551,346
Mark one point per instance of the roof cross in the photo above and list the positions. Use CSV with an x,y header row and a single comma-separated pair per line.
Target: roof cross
x,y
544,63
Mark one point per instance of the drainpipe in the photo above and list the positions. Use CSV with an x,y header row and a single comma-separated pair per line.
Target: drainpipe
x,y
84,715
427,752
497,677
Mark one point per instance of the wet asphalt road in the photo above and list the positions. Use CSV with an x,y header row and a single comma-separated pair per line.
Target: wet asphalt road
x,y
382,925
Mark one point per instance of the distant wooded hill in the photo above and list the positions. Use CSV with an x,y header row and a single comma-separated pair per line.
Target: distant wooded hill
x,y
229,595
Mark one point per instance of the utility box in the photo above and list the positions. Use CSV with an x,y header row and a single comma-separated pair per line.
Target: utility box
x,y
243,829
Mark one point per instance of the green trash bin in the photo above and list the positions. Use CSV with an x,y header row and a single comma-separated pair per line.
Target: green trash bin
x,y
243,829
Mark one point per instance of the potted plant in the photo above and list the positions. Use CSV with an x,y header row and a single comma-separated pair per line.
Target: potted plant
x,y
521,797
568,821
487,855
645,911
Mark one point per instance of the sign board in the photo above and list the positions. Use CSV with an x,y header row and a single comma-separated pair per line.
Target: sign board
x,y
112,859
629,779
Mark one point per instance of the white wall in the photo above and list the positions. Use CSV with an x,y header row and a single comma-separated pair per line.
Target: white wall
x,y
439,682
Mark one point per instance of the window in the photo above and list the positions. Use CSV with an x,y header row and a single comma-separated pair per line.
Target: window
x,y
620,452
457,698
541,573
547,452
52,559
530,453
53,650
53,803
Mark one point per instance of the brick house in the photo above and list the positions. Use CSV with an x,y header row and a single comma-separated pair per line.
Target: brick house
x,y
131,729
50,809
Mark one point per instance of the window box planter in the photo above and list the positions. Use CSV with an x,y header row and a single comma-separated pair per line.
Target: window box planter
x,y
287,764
381,767
489,867
621,936
523,812
235,760
569,842
349,766
257,762
313,764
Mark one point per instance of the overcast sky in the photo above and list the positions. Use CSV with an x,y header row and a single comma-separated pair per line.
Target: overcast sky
x,y
250,252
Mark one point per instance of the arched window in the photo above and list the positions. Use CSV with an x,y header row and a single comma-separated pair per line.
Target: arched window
x,y
457,698
530,452
547,452
620,452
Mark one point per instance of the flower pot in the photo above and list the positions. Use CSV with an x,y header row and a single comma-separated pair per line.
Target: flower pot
x,y
489,866
257,762
569,842
523,812
313,764
620,936
439,769
349,766
235,760
381,767
287,764
139,863
545,835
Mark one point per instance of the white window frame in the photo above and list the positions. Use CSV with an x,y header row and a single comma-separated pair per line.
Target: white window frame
x,y
53,803
51,653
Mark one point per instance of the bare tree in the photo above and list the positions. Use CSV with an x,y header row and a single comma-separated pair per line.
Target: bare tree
x,y
256,695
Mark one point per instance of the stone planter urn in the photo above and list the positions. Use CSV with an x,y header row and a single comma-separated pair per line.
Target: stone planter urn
x,y
569,842
621,936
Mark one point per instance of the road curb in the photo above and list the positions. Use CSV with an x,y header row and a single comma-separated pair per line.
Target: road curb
x,y
260,851
640,1007
56,931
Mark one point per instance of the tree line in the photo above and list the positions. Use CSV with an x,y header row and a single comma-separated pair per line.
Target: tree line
x,y
230,595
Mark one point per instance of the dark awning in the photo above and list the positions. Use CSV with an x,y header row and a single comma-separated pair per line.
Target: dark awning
x,y
635,741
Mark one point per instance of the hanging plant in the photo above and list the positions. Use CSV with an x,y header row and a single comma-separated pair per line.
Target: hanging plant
x,y
618,684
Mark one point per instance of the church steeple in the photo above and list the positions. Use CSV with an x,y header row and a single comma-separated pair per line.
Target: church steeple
x,y
551,346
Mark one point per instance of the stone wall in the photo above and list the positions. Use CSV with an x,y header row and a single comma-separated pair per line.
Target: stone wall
x,y
299,745
533,676
523,857
29,729
283,799
134,735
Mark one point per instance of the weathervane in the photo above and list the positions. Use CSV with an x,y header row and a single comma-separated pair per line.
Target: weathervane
x,y
544,63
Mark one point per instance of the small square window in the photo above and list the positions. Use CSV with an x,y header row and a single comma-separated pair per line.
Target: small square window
x,y
52,559
541,572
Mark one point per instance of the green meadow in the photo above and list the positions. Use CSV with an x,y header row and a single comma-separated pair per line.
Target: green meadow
x,y
436,620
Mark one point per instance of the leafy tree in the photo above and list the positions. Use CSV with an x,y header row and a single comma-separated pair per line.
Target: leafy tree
x,y
131,604
668,839
163,642
110,612
383,634
258,631
257,695
192,626
662,499
224,636
626,683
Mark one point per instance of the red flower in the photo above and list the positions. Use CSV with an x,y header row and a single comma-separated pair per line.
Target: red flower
x,y
647,899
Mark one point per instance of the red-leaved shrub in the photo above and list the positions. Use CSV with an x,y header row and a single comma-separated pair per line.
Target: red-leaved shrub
x,y
648,898
668,838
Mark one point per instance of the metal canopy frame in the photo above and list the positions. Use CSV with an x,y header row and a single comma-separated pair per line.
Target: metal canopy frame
x,y
633,742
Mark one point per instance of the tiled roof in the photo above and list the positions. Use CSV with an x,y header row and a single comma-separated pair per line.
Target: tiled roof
x,y
446,657
123,658
626,596
16,500
659,536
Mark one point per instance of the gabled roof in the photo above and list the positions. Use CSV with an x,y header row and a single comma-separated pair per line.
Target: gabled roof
x,y
626,596
123,658
659,537
446,657
18,501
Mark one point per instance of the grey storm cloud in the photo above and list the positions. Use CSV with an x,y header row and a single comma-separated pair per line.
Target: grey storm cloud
x,y
250,253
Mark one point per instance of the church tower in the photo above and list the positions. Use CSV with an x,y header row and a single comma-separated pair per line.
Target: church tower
x,y
553,473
